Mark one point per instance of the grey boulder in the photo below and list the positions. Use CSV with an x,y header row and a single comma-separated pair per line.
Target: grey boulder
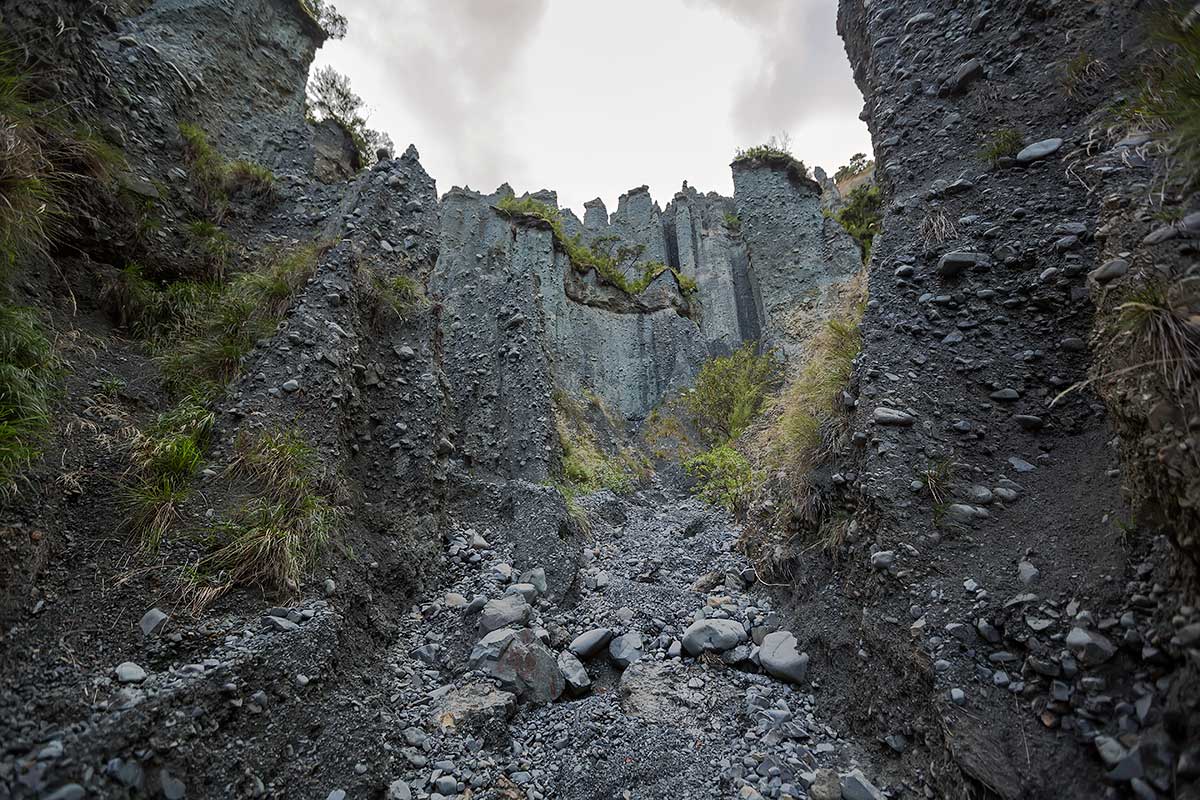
x,y
716,635
588,644
781,657
511,609
626,649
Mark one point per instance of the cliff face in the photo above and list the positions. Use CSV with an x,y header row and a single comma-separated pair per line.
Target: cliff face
x,y
987,568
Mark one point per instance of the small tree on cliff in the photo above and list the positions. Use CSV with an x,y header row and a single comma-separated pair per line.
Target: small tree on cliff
x,y
330,97
327,16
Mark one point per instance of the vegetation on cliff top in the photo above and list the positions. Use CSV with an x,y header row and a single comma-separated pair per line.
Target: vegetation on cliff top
x,y
596,256
331,98
776,151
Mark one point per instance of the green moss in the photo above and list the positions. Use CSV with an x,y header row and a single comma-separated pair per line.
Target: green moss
x,y
733,222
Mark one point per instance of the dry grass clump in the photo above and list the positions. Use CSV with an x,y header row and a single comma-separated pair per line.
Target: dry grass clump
x,y
936,229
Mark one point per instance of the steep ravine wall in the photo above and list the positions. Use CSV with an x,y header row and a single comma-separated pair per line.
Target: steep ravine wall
x,y
992,618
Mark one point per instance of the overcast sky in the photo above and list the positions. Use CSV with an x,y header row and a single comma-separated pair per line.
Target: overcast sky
x,y
594,97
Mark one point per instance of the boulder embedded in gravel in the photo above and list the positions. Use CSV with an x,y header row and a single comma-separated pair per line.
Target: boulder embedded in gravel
x,y
717,635
588,644
855,786
1089,647
529,668
152,622
399,790
781,657
825,786
890,416
958,262
488,648
503,612
578,680
626,649
475,707
1038,150
536,577
1110,270
129,672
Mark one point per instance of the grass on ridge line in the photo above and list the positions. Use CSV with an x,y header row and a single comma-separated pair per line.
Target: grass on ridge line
x,y
583,257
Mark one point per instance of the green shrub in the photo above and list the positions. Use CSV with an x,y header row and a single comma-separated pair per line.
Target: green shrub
x,y
857,166
733,222
730,391
724,477
1004,143
28,371
861,216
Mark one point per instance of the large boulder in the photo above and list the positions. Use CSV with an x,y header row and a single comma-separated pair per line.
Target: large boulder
x,y
781,657
504,612
715,635
335,158
475,707
522,664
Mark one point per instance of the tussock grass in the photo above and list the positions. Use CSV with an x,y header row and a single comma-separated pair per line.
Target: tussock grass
x,y
50,167
1168,104
1156,315
1004,143
215,180
399,297
803,426
282,529
585,258
208,344
215,246
28,370
164,458
1081,71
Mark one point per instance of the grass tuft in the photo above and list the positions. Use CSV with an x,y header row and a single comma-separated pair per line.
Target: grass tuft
x,y
397,298
1004,143
729,392
215,180
164,459
283,528
1156,315
28,370
586,466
